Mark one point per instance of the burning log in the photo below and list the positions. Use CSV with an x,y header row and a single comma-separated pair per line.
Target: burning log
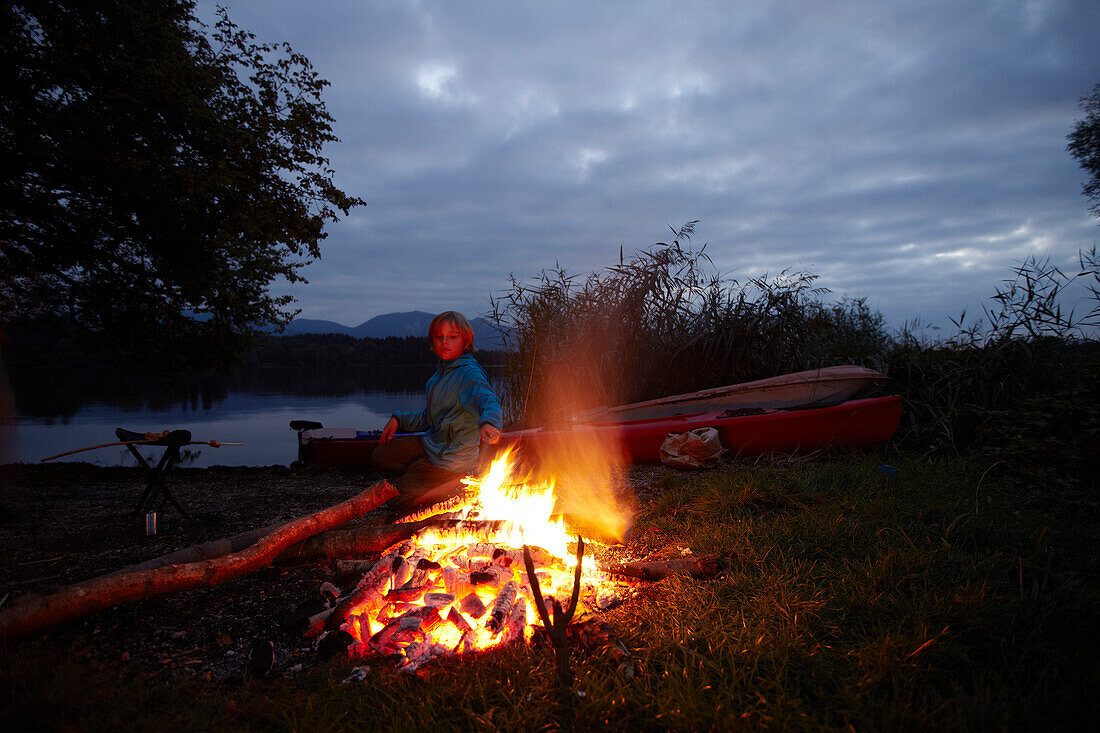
x,y
348,542
432,619
457,583
444,510
369,589
504,555
34,613
459,621
502,606
418,653
404,567
402,630
391,610
358,626
472,606
370,539
495,576
516,622
424,577
438,600
697,567
406,595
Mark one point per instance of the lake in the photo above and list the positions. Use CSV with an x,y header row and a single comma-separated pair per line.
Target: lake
x,y
257,415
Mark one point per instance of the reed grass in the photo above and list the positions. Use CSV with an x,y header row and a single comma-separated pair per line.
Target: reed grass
x,y
665,321
931,599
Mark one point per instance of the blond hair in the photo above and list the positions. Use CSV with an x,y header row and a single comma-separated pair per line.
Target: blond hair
x,y
456,319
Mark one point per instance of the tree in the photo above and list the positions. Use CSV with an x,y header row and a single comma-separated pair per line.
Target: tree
x,y
1084,145
157,180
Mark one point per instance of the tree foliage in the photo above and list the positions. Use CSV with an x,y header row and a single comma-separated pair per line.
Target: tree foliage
x,y
160,176
1084,145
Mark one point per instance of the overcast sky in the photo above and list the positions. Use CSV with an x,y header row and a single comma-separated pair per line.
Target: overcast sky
x,y
906,152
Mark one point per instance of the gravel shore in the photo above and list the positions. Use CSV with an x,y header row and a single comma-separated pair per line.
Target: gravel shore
x,y
65,523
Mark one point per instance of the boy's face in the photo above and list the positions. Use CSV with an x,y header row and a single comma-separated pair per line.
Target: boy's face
x,y
447,341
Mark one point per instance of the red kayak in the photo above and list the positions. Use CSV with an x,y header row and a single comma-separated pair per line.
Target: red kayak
x,y
851,424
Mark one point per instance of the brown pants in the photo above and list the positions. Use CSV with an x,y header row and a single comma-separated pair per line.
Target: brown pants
x,y
421,483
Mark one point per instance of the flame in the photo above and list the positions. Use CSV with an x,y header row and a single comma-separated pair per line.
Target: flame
x,y
451,592
528,509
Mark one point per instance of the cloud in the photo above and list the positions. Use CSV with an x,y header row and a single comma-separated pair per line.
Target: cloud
x,y
908,152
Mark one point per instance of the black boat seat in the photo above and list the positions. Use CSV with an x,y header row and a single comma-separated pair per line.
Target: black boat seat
x,y
300,426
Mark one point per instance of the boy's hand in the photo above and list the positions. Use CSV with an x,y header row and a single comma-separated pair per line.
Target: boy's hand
x,y
489,433
388,431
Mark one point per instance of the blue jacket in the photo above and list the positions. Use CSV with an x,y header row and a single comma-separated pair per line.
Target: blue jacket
x,y
460,401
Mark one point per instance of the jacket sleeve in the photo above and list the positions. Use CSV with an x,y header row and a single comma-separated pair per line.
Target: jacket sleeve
x,y
411,421
479,399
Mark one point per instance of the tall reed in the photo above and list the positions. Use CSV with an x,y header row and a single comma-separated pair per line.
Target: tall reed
x,y
1020,383
666,321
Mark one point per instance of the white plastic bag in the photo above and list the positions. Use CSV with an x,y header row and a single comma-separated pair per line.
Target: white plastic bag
x,y
699,448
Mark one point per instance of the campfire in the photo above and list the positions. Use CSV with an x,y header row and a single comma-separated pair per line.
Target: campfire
x,y
469,586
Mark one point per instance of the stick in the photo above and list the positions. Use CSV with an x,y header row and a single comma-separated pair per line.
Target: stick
x,y
211,443
34,613
558,630
101,445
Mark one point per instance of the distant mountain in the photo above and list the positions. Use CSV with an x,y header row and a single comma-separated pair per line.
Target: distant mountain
x,y
311,325
486,335
410,323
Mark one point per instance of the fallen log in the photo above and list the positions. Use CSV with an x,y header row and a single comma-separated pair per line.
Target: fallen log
x,y
203,551
34,613
696,567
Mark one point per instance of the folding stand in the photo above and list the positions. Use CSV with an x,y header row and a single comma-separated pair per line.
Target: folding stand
x,y
154,483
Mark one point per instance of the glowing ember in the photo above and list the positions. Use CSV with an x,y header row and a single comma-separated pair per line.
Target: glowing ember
x,y
462,589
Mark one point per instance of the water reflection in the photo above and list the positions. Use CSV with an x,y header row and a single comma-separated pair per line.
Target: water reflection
x,y
61,410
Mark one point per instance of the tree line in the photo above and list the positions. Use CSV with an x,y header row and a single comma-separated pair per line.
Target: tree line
x,y
53,375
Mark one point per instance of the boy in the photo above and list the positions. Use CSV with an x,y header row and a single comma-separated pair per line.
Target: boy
x,y
461,410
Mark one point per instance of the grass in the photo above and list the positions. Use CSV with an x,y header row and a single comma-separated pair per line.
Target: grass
x,y
937,598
